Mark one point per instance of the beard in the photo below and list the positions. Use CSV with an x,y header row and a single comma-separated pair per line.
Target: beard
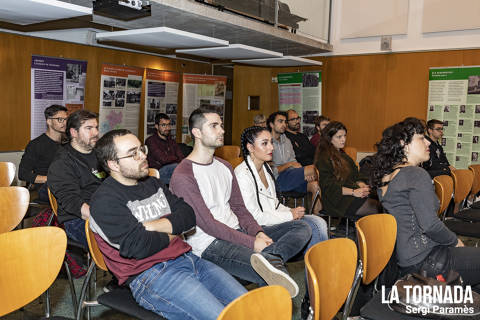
x,y
137,173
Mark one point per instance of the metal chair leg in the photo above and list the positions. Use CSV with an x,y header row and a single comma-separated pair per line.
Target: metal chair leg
x,y
72,288
47,304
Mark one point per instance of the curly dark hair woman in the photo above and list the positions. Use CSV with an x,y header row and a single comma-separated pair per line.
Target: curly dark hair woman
x,y
424,243
344,191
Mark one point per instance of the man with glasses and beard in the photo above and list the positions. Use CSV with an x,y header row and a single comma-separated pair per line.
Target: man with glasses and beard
x,y
75,174
304,150
164,153
138,224
40,151
438,163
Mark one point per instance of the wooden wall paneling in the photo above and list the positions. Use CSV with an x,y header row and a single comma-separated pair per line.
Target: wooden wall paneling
x,y
355,95
16,52
253,81
407,82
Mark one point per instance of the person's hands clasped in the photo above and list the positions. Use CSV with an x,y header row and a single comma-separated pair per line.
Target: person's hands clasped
x,y
297,212
261,242
361,192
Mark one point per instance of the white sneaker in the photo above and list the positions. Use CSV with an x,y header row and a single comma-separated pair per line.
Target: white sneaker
x,y
273,272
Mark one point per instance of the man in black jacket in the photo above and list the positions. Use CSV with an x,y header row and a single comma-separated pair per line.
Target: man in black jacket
x,y
138,225
438,163
304,150
75,174
40,151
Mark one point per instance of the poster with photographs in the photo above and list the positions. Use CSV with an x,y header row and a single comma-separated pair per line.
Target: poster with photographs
x,y
161,96
202,91
120,94
454,98
301,91
55,81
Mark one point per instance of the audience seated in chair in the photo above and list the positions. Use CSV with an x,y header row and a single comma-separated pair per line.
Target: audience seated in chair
x,y
320,123
40,152
406,192
257,185
290,174
138,224
164,152
304,150
227,234
75,174
438,163
344,191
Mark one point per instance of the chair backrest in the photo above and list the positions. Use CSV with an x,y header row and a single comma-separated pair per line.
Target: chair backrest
x,y
475,168
53,201
330,268
235,161
31,260
444,191
266,303
462,183
351,152
228,152
152,172
13,206
7,173
93,247
377,234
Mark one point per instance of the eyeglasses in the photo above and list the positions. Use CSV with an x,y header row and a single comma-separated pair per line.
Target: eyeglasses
x,y
295,119
60,120
136,155
438,129
163,125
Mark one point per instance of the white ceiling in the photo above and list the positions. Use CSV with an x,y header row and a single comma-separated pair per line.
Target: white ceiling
x,y
25,12
286,61
161,37
233,51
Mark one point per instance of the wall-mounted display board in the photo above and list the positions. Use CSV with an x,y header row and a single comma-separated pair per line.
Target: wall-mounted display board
x,y
55,81
202,91
161,96
301,91
454,98
120,94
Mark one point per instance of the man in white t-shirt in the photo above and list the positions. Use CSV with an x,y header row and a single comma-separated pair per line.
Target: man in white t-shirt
x,y
226,232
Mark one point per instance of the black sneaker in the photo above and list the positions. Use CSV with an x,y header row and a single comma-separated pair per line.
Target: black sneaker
x,y
273,271
111,285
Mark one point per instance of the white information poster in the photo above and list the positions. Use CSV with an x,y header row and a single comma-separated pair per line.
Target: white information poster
x,y
202,91
55,81
161,96
120,96
454,98
301,91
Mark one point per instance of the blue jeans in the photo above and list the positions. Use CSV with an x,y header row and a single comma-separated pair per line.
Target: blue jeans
x,y
75,230
166,172
319,230
289,239
185,288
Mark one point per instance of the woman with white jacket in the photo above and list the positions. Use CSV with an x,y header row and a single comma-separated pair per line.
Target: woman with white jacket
x,y
257,185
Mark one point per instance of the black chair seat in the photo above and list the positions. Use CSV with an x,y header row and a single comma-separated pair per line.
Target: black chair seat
x,y
292,194
376,310
475,205
463,228
122,300
469,214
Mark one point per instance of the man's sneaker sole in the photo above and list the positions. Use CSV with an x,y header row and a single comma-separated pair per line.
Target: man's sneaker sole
x,y
272,275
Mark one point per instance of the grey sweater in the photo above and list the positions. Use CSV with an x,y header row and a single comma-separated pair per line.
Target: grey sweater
x,y
411,199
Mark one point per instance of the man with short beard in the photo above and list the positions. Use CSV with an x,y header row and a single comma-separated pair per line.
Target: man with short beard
x,y
227,233
164,153
75,174
138,225
304,150
40,151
